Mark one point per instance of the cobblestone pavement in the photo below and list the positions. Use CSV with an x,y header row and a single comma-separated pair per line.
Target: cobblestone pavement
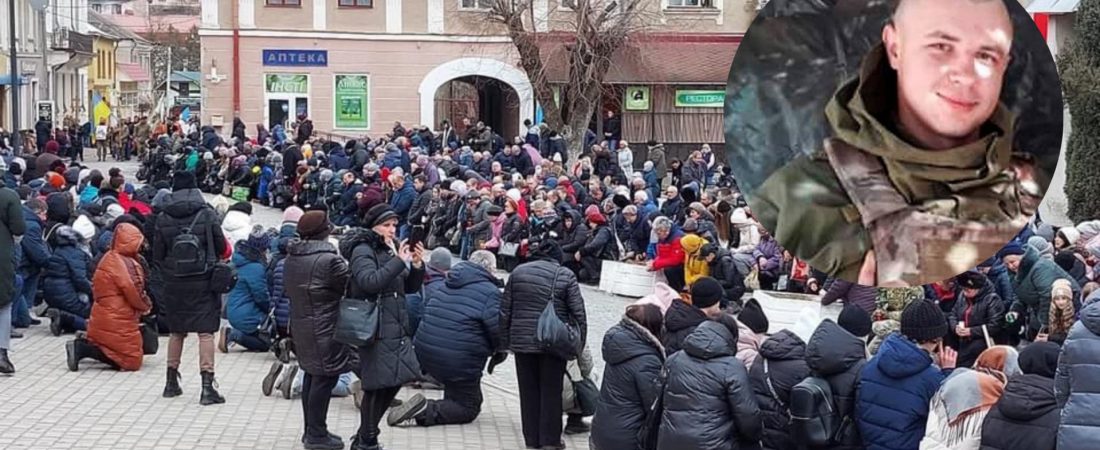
x,y
44,406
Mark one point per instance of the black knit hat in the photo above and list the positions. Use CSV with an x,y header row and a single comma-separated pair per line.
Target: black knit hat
x,y
244,207
706,292
752,315
377,214
183,180
923,321
971,279
855,320
1040,358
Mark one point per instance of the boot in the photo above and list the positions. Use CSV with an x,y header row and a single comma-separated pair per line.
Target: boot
x,y
6,367
172,386
209,396
72,356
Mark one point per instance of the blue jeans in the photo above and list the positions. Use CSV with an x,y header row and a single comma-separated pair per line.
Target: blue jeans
x,y
5,327
253,341
72,323
25,291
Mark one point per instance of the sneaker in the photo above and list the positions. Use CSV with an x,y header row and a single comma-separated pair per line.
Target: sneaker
x,y
578,427
269,379
223,340
16,334
40,309
407,410
288,383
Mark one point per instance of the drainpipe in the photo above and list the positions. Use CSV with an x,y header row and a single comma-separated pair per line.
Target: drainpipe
x,y
236,58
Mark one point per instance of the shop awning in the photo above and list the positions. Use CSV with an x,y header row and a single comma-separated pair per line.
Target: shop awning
x,y
5,80
654,62
1053,6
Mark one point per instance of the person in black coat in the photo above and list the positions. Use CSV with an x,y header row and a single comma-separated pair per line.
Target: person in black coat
x,y
189,304
978,306
634,357
1027,414
291,156
780,365
682,318
305,129
383,273
458,332
724,269
574,235
599,246
540,374
837,352
708,398
315,277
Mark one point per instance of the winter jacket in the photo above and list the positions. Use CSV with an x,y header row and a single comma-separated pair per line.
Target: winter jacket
x,y
459,329
68,273
896,387
693,172
36,254
599,247
657,155
525,298
708,398
784,357
189,304
249,303
673,209
120,300
851,293
1032,286
236,226
279,300
838,357
378,275
634,358
12,224
338,160
1025,418
748,344
669,253
724,269
315,281
694,266
1075,386
402,200
681,319
985,309
769,249
573,239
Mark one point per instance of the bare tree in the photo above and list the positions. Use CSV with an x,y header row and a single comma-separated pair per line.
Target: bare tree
x,y
594,32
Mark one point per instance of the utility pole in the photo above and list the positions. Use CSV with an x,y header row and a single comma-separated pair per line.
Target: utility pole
x,y
16,136
168,82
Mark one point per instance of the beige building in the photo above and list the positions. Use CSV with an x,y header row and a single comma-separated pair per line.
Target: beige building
x,y
356,66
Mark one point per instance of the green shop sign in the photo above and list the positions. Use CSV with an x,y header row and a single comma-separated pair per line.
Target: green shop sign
x,y
351,106
700,99
278,83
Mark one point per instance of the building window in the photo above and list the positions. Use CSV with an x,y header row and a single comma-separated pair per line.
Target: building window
x,y
357,3
690,3
477,4
118,9
284,2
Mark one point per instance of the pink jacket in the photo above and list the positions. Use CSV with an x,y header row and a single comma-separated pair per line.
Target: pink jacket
x,y
748,344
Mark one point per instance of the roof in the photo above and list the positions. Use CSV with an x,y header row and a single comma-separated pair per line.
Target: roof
x,y
1053,6
140,24
186,76
107,26
655,61
134,72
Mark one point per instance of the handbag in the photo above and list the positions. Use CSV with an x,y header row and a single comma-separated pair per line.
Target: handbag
x,y
752,281
651,424
149,342
509,249
553,335
357,322
586,395
223,276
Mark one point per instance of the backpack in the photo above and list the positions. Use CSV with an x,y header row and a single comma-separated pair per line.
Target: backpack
x,y
815,419
187,256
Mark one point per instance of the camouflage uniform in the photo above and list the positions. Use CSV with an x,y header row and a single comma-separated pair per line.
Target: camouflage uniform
x,y
888,307
928,215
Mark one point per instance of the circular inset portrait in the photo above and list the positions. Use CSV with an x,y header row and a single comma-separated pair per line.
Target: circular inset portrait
x,y
895,142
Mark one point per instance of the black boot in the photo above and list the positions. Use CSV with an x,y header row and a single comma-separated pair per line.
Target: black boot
x,y
73,355
209,396
6,367
172,387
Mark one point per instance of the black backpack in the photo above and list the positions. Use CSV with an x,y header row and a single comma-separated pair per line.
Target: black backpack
x,y
187,257
815,419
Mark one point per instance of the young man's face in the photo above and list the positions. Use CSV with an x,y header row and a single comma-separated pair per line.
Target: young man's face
x,y
950,57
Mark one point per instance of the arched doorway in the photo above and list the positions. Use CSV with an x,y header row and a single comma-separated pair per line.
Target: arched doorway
x,y
478,98
497,84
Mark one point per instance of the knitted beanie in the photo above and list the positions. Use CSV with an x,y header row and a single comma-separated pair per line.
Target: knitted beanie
x,y
706,292
923,321
854,320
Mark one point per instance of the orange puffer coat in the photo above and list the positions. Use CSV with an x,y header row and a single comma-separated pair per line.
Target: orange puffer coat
x,y
120,300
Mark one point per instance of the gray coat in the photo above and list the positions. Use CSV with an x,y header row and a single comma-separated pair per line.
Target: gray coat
x,y
11,225
378,275
1075,385
314,279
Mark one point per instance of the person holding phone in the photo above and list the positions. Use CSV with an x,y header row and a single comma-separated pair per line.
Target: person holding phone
x,y
383,271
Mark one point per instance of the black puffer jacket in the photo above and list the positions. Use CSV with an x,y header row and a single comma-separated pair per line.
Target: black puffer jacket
x,y
377,274
1025,418
189,304
634,359
708,400
838,356
724,269
572,239
680,320
985,309
781,363
315,278
525,295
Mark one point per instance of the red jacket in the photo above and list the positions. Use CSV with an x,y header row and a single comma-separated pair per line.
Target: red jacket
x,y
669,254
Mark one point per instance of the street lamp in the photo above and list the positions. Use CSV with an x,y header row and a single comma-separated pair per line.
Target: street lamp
x,y
16,136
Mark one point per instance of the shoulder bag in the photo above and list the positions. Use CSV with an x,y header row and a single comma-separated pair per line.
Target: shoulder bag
x,y
357,322
553,335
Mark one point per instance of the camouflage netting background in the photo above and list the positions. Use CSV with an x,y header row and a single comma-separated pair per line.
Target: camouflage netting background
x,y
797,52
